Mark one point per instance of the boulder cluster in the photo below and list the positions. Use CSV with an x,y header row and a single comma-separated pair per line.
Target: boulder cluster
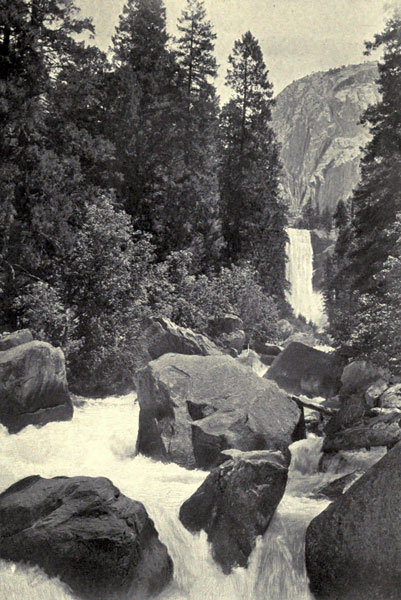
x,y
208,403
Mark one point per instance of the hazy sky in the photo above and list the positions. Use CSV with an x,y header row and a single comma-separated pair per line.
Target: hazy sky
x,y
298,37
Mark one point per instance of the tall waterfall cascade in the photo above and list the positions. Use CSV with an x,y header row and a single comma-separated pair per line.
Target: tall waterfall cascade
x,y
302,297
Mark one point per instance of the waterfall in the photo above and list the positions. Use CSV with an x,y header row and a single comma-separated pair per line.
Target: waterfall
x,y
100,441
299,273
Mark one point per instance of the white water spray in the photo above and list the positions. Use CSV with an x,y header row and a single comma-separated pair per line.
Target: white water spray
x,y
100,441
299,273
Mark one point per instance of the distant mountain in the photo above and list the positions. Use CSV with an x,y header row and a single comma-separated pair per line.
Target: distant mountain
x,y
316,119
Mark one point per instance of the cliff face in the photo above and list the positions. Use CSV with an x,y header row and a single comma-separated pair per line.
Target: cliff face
x,y
316,120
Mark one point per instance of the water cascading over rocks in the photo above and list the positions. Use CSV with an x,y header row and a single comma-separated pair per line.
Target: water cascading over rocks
x,y
303,298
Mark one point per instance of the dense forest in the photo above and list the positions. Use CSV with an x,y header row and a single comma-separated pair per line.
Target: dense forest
x,y
126,190
363,277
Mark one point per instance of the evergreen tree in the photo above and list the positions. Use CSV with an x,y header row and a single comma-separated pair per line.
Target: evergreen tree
x,y
195,48
254,216
377,199
358,288
337,289
37,40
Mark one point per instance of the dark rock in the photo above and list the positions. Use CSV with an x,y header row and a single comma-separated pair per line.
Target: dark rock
x,y
83,530
235,504
353,548
266,348
162,336
355,425
268,359
300,369
10,340
33,386
380,430
338,486
193,407
349,461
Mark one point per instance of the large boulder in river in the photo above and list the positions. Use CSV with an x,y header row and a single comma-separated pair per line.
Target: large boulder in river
x,y
193,407
236,502
10,340
301,369
33,386
162,336
84,531
353,548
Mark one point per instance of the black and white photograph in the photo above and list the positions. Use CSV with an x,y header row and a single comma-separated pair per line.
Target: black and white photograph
x,y
200,299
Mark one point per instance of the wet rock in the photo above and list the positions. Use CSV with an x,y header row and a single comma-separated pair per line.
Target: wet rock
x,y
338,486
349,461
33,386
353,548
193,407
266,348
235,504
10,340
162,336
268,359
84,531
300,369
381,430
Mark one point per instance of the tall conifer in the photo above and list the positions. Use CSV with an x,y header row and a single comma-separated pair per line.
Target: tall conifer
x,y
254,216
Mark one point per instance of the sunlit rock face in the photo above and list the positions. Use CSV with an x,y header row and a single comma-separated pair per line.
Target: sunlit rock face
x,y
316,120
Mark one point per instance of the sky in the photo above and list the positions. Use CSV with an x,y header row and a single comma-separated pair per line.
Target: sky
x,y
298,37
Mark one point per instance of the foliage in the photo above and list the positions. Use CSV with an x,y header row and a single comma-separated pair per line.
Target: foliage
x,y
112,204
363,278
192,300
254,216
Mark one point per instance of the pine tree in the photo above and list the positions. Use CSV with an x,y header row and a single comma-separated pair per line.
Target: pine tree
x,y
37,39
367,242
377,200
254,216
195,48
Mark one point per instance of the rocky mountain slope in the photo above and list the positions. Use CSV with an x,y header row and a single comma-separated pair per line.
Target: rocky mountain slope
x,y
316,120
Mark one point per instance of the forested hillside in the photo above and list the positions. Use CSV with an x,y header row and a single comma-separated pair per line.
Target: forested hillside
x,y
126,190
363,277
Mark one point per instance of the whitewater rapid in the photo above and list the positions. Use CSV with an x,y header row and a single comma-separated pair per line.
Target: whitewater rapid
x,y
100,441
303,298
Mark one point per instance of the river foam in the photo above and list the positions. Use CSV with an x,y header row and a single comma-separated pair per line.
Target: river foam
x,y
100,441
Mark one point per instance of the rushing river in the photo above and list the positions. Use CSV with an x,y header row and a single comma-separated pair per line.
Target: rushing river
x,y
100,441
